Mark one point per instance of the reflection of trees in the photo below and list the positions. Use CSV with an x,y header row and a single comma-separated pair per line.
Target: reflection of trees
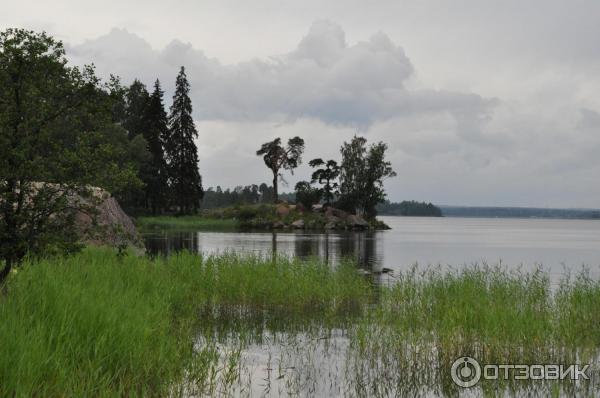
x,y
332,248
308,245
274,246
362,246
166,243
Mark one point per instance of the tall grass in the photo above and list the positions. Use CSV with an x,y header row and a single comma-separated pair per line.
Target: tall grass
x,y
98,325
493,306
430,318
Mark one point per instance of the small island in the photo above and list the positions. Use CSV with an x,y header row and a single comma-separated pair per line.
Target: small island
x,y
281,216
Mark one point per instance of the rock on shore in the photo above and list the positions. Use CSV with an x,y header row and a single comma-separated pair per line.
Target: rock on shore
x,y
329,218
109,225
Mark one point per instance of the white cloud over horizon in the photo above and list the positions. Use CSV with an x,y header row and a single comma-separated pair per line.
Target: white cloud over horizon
x,y
526,133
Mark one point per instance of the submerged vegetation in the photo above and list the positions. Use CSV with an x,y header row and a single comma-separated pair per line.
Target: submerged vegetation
x,y
103,324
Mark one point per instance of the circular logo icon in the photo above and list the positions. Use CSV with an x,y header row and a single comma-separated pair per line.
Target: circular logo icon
x,y
465,372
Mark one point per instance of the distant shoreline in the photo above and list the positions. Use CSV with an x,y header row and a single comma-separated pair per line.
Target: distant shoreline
x,y
519,212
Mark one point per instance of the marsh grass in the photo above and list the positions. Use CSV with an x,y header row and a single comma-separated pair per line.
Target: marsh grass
x,y
96,324
429,318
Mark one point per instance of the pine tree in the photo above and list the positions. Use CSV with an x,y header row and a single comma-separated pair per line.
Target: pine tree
x,y
154,172
182,155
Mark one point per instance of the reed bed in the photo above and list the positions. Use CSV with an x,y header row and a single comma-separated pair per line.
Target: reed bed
x,y
97,324
103,324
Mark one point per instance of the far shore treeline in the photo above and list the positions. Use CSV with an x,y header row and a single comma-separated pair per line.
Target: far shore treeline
x,y
64,132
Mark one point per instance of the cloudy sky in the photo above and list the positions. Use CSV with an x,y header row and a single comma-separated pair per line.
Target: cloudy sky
x,y
482,102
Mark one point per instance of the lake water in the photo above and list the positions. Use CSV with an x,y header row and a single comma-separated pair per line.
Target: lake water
x,y
555,244
285,363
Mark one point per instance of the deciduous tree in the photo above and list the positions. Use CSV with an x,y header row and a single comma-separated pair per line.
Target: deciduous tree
x,y
51,145
362,173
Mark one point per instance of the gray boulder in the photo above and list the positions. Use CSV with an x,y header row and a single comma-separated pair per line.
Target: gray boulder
x,y
278,225
355,221
298,224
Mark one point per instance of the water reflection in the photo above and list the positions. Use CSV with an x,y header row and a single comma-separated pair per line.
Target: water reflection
x,y
331,247
558,245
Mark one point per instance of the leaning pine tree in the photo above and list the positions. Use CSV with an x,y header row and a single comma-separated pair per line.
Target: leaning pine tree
x,y
181,152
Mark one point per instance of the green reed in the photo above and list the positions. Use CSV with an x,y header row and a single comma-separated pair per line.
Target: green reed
x,y
100,324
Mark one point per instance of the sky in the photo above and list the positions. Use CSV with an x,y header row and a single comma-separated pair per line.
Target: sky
x,y
493,103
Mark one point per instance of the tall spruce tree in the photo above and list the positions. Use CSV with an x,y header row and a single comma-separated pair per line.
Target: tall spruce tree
x,y
182,155
154,172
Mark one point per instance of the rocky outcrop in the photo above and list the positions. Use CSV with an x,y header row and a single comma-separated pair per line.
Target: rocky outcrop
x,y
337,218
355,221
289,216
332,211
106,223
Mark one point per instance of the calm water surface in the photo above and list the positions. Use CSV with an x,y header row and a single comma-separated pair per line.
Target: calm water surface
x,y
325,365
555,244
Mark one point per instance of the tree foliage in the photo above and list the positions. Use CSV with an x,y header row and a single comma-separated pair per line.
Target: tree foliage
x,y
53,145
154,172
326,176
307,194
278,158
181,151
409,208
362,173
136,102
214,198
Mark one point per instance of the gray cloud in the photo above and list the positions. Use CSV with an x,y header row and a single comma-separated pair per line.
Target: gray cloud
x,y
323,78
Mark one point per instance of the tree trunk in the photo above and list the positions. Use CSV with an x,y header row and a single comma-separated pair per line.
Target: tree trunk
x,y
275,194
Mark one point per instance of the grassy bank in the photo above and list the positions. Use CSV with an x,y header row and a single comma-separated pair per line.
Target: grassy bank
x,y
99,325
186,222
